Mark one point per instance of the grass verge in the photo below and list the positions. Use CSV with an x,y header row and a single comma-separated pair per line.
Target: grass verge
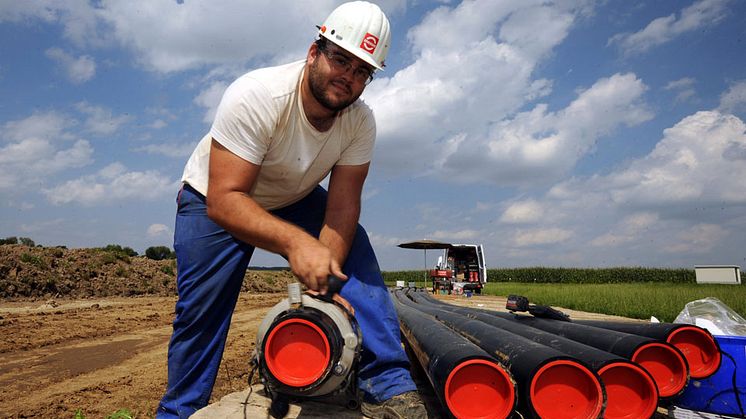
x,y
639,300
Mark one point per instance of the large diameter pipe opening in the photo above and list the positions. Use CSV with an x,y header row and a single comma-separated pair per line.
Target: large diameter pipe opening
x,y
699,349
297,352
630,391
478,388
666,365
564,390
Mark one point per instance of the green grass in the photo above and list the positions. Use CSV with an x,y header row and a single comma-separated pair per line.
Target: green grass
x,y
33,260
636,292
119,414
637,300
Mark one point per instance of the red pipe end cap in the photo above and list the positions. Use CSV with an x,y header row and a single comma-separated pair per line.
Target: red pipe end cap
x,y
297,352
666,365
699,349
479,389
630,391
565,389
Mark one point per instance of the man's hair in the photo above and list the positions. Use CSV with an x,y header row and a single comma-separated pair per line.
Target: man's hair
x,y
321,43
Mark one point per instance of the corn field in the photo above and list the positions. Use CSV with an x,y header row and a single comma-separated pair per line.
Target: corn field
x,y
629,292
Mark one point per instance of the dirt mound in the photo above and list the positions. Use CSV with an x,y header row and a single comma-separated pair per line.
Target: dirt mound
x,y
56,272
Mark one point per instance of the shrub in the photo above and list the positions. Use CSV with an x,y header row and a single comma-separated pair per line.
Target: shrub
x,y
109,258
27,242
33,260
167,269
115,248
159,253
9,240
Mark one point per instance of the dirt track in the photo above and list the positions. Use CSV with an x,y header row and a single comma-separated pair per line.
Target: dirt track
x,y
101,355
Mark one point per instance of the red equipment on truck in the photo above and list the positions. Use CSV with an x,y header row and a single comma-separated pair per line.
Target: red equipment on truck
x,y
460,269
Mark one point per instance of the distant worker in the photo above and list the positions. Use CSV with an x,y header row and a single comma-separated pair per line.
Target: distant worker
x,y
253,181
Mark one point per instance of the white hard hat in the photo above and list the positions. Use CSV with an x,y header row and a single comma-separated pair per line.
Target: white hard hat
x,y
360,28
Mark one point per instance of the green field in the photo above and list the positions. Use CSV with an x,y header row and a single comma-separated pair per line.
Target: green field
x,y
637,300
630,292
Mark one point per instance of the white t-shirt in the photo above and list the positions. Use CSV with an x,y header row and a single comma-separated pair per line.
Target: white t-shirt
x,y
261,120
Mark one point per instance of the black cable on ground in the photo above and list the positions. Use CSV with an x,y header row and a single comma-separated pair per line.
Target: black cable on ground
x,y
735,386
251,387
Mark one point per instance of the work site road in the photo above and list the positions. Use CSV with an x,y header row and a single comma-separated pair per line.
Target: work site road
x,y
102,355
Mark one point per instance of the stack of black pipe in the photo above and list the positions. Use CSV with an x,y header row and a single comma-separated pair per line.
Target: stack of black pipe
x,y
569,369
466,379
549,383
699,347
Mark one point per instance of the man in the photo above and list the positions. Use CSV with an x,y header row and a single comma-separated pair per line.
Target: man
x,y
253,182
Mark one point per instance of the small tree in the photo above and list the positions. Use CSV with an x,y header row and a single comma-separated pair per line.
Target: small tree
x,y
159,253
9,240
27,242
119,249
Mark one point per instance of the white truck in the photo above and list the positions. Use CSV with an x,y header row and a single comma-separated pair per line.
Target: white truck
x,y
460,269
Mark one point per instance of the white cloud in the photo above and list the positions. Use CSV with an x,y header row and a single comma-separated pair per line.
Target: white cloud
x,y
734,98
682,83
664,29
42,226
78,18
533,237
158,124
688,165
78,70
167,36
685,198
684,87
455,235
35,150
100,120
209,98
538,145
448,75
381,241
112,184
47,125
170,36
700,238
529,211
627,230
158,230
174,150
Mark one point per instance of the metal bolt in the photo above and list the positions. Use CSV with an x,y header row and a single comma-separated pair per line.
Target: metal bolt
x,y
338,369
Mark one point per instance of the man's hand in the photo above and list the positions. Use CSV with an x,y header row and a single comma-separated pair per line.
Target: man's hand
x,y
339,299
312,263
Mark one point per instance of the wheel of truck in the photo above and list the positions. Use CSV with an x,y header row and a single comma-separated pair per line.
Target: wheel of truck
x,y
478,291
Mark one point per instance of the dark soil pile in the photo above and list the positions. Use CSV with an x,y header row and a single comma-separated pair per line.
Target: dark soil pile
x,y
55,272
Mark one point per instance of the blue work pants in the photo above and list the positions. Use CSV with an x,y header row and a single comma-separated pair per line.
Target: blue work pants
x,y
211,265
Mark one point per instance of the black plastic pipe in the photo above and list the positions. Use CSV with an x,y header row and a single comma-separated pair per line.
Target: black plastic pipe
x,y
700,349
550,384
630,390
468,381
662,360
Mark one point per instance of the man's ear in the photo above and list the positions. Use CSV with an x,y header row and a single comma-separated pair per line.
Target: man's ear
x,y
313,53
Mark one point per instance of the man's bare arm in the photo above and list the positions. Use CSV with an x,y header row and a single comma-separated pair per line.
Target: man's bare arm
x,y
230,206
343,209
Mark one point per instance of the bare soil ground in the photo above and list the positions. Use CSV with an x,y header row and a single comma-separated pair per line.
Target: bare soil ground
x,y
101,355
82,330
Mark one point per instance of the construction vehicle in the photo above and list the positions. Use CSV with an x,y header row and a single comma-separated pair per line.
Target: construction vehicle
x,y
460,269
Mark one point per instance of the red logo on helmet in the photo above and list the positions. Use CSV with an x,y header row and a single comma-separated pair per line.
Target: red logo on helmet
x,y
369,43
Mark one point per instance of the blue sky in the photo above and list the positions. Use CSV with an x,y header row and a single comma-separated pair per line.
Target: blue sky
x,y
556,133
